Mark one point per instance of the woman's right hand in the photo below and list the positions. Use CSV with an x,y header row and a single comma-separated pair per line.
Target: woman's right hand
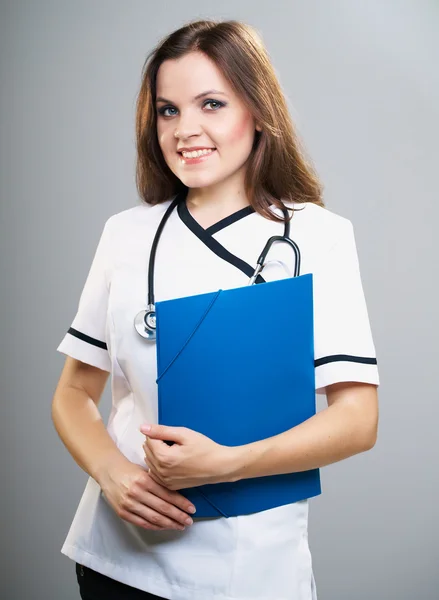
x,y
140,500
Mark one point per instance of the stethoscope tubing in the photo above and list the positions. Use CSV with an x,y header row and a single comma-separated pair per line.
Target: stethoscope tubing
x,y
145,320
153,253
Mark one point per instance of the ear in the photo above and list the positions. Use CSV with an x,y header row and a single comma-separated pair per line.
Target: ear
x,y
258,127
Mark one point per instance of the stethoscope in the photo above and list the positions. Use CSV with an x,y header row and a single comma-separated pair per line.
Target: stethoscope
x,y
145,320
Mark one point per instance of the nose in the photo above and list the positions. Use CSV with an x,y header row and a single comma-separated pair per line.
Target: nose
x,y
187,127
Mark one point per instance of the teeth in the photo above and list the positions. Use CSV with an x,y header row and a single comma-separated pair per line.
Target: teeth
x,y
197,153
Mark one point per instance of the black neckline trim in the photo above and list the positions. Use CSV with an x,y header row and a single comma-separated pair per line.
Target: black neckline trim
x,y
222,224
346,358
240,214
205,235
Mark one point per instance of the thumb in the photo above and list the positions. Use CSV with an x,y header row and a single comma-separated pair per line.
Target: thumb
x,y
163,432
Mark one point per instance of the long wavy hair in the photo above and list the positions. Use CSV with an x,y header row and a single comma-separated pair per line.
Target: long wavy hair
x,y
278,169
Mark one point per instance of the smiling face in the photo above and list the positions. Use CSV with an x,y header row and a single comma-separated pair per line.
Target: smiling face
x,y
197,108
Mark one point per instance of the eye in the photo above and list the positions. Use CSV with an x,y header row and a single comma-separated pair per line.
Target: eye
x,y
217,102
215,105
163,109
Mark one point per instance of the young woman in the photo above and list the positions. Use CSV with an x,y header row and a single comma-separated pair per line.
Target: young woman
x,y
214,135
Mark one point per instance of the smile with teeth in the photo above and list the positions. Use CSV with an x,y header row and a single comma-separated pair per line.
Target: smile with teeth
x,y
197,153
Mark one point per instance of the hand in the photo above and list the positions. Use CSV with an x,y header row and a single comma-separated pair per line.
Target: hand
x,y
140,500
193,460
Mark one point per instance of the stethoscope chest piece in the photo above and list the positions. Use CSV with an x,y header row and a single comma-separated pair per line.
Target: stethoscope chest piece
x,y
145,320
145,323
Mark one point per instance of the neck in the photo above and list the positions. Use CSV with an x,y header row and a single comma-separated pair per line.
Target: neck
x,y
219,200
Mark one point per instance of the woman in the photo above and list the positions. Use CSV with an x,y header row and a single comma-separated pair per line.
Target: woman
x,y
213,129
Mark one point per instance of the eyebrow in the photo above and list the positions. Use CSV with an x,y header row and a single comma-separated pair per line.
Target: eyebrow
x,y
209,92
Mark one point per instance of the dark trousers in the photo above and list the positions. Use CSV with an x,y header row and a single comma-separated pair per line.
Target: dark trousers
x,y
95,586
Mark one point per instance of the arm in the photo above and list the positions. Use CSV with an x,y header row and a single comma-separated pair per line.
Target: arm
x,y
347,427
345,368
77,419
133,495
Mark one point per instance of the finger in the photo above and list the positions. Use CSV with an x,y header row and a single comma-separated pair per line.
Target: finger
x,y
170,496
151,517
136,520
163,432
169,513
154,466
151,459
156,477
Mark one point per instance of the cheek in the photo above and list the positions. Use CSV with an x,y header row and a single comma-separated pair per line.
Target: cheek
x,y
165,135
242,130
162,138
166,144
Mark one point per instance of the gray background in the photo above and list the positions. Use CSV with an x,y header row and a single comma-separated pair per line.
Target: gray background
x,y
364,91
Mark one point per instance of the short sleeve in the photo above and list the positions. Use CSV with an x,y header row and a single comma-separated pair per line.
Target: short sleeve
x,y
86,340
344,349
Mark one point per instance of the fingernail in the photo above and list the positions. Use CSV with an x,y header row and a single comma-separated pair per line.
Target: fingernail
x,y
189,521
192,509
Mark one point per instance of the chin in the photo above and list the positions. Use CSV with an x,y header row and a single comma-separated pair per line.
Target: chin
x,y
197,180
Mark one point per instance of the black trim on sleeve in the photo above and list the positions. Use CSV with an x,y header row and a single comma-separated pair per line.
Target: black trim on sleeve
x,y
212,243
344,357
87,338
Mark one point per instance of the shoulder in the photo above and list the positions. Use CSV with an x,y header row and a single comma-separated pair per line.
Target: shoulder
x,y
140,214
135,223
319,224
318,217
126,232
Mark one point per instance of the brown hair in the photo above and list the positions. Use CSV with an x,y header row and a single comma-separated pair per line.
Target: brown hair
x,y
277,169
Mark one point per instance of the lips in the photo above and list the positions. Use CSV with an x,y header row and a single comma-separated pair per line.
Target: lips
x,y
186,160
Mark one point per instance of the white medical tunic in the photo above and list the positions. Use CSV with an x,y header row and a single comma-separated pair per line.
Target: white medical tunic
x,y
260,556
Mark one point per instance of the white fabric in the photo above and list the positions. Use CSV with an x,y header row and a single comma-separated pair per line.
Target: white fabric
x,y
262,556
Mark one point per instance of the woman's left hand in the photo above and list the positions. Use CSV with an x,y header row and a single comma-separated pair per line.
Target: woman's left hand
x,y
193,460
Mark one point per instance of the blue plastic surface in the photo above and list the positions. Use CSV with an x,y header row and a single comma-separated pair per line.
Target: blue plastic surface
x,y
238,366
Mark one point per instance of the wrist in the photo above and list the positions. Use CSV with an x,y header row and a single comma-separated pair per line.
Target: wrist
x,y
102,469
239,461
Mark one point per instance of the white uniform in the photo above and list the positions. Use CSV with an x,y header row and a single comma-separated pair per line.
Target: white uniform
x,y
261,556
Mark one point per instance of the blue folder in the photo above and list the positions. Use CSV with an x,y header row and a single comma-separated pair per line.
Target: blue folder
x,y
238,366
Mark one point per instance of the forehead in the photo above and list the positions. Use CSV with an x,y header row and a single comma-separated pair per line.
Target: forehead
x,y
185,77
